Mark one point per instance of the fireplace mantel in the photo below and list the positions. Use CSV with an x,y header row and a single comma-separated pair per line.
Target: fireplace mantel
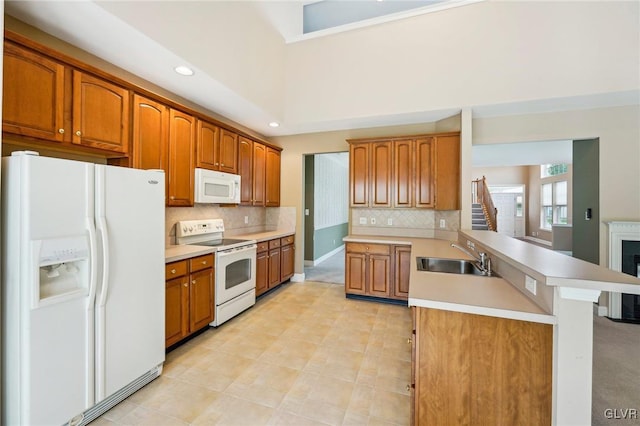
x,y
619,231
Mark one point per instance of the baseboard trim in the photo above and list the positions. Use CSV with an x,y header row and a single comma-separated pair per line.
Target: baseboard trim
x,y
538,240
324,257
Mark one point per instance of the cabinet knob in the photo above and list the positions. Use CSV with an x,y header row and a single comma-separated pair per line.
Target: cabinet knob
x,y
409,341
408,388
193,281
185,284
217,164
61,131
204,262
173,271
172,197
222,164
78,133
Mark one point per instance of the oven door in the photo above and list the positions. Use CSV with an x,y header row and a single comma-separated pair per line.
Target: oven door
x,y
235,273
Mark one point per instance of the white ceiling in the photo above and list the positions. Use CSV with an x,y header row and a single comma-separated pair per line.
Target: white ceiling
x,y
89,26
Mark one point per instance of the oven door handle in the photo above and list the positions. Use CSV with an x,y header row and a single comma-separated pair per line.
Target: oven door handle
x,y
224,253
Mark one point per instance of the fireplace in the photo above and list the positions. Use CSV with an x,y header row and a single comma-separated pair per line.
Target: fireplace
x,y
624,256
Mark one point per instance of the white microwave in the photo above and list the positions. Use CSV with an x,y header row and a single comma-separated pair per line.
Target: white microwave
x,y
216,187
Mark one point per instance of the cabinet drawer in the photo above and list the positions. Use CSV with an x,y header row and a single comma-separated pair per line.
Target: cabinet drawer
x,y
274,243
263,246
285,241
175,269
368,248
201,262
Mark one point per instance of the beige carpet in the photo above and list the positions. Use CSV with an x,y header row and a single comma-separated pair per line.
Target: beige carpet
x,y
330,271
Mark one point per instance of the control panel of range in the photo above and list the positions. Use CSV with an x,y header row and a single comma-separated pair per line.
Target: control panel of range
x,y
187,228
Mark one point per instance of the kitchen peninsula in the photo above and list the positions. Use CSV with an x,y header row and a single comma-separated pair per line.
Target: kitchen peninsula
x,y
515,346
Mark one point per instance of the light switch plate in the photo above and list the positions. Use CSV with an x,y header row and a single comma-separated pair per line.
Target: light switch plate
x,y
530,284
363,221
373,220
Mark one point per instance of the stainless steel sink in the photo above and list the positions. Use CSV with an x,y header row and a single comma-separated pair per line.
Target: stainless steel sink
x,y
450,266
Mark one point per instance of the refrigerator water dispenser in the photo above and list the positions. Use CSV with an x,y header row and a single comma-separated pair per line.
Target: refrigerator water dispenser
x,y
64,269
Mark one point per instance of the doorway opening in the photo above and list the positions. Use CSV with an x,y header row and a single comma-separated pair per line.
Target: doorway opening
x,y
326,215
510,202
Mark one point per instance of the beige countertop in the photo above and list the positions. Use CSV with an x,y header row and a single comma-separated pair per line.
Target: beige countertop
x,y
558,269
491,296
173,253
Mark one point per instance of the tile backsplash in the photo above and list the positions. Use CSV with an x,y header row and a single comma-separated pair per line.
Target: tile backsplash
x,y
403,222
258,218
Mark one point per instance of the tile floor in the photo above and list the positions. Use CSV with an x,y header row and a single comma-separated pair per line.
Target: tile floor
x,y
304,355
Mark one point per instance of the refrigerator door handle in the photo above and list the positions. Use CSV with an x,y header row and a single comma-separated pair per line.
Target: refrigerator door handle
x,y
104,291
93,284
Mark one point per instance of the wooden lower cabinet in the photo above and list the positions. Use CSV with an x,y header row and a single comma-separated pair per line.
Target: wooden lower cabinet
x,y
189,297
274,263
380,270
473,369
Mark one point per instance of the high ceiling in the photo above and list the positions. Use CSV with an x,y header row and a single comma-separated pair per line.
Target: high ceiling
x,y
113,31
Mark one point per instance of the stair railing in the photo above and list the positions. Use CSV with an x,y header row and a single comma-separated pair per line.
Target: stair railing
x,y
482,196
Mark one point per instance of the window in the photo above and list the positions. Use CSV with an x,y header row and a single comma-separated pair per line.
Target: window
x,y
554,204
547,170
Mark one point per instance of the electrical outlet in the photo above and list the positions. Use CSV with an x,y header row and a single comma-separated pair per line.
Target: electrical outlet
x,y
530,284
443,224
246,219
373,220
363,221
390,222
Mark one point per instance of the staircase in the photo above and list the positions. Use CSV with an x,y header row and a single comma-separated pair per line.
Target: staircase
x,y
483,212
478,219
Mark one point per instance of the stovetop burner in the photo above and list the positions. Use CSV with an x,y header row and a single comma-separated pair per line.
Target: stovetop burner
x,y
208,232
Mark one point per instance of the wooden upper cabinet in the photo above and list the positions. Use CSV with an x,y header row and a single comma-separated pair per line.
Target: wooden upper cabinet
x,y
403,172
228,152
150,134
182,137
33,94
424,148
259,174
447,173
217,148
272,178
100,113
381,173
208,146
359,175
245,170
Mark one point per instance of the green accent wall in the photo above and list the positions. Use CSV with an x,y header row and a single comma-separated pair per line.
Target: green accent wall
x,y
308,205
328,239
586,181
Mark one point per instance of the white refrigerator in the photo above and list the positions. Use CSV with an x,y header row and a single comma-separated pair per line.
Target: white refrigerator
x,y
82,287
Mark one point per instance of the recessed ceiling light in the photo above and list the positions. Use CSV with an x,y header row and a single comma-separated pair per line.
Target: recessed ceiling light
x,y
274,124
183,70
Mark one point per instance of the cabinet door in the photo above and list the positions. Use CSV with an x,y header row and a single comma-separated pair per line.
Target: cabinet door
x,y
176,310
402,259
287,257
150,134
403,192
207,148
245,170
274,267
359,175
272,180
424,173
100,114
228,153
262,272
356,273
201,311
33,94
259,174
381,174
447,172
182,135
379,275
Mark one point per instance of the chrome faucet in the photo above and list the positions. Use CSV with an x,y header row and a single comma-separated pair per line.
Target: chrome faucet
x,y
483,261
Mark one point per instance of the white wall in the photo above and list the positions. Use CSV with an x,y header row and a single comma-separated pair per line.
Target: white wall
x,y
243,51
481,54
